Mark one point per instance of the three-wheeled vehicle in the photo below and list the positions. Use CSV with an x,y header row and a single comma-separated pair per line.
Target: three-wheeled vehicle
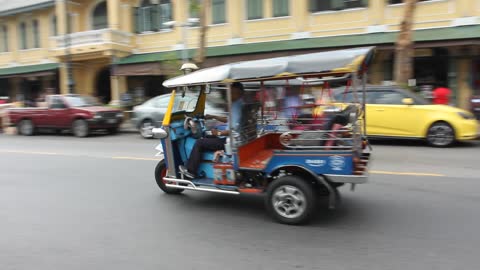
x,y
292,158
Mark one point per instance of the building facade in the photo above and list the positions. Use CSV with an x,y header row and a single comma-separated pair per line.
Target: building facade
x,y
109,47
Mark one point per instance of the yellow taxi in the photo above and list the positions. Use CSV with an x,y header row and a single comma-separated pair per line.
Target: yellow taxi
x,y
393,112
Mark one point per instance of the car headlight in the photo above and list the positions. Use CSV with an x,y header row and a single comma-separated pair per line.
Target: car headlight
x,y
466,115
120,114
97,116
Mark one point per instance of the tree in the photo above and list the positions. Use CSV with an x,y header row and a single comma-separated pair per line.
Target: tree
x,y
201,7
403,66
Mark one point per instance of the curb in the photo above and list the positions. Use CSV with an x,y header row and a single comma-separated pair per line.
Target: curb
x,y
127,130
13,130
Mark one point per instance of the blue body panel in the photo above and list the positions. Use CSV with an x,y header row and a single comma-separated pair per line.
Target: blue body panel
x,y
318,162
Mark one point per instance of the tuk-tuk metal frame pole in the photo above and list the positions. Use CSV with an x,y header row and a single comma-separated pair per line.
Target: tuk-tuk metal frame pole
x,y
229,105
364,105
355,93
171,168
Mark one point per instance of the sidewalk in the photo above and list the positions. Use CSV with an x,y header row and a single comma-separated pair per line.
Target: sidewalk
x,y
125,127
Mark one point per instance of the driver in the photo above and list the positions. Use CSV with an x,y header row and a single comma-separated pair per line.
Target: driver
x,y
218,142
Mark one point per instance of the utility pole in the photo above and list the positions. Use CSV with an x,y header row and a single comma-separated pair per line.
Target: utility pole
x,y
68,55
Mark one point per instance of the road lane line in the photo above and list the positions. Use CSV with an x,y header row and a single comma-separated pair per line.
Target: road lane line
x,y
136,158
408,173
158,159
28,152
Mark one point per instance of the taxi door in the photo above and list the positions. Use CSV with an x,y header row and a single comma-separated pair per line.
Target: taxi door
x,y
388,115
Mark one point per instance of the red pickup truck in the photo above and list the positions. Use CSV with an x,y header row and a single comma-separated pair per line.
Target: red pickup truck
x,y
78,113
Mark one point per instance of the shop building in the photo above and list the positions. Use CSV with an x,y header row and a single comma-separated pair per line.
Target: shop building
x,y
115,46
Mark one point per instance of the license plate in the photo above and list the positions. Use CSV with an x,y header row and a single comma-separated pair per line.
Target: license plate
x,y
111,121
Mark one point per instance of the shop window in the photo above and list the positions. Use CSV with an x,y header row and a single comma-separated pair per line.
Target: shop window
x,y
280,8
388,70
4,35
23,36
100,18
152,17
325,5
36,34
218,11
394,2
254,9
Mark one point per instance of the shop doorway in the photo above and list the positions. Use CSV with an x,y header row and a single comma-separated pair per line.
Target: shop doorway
x,y
103,86
432,70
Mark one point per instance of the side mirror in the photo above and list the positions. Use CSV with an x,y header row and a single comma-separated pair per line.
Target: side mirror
x,y
159,133
407,101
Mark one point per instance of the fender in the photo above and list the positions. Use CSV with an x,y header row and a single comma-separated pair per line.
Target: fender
x,y
332,193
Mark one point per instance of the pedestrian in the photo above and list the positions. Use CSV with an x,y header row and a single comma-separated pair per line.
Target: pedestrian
x,y
441,95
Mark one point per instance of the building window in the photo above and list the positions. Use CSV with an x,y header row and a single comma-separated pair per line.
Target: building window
x,y
194,12
147,12
164,13
53,26
36,34
280,8
23,36
100,18
218,11
324,5
4,35
394,2
152,17
254,9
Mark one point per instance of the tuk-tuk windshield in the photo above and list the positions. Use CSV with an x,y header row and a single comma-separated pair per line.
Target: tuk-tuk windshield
x,y
185,103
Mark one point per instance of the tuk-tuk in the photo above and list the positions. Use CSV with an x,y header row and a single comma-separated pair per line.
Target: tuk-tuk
x,y
292,159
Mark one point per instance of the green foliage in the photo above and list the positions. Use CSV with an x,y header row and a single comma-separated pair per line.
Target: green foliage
x,y
194,8
171,63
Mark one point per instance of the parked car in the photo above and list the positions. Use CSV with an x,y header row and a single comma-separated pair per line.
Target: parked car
x,y
80,114
150,114
393,112
475,106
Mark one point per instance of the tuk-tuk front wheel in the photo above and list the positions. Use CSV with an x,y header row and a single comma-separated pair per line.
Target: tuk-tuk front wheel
x,y
290,200
160,173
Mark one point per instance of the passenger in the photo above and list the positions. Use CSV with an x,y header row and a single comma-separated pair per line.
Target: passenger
x,y
218,142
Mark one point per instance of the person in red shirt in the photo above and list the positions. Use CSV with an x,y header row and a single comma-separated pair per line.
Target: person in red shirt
x,y
441,95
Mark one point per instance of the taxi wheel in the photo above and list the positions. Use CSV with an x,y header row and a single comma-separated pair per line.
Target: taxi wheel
x,y
290,200
160,173
441,134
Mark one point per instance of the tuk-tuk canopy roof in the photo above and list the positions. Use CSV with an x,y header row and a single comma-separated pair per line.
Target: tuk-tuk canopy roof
x,y
289,67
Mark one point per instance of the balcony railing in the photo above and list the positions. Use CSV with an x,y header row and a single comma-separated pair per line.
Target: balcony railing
x,y
94,37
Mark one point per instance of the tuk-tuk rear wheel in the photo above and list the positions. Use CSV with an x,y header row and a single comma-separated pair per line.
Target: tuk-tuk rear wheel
x,y
160,173
290,200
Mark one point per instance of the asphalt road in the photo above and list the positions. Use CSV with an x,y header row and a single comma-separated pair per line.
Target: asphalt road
x,y
69,203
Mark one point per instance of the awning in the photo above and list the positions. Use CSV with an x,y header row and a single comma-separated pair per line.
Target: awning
x,y
142,69
28,71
